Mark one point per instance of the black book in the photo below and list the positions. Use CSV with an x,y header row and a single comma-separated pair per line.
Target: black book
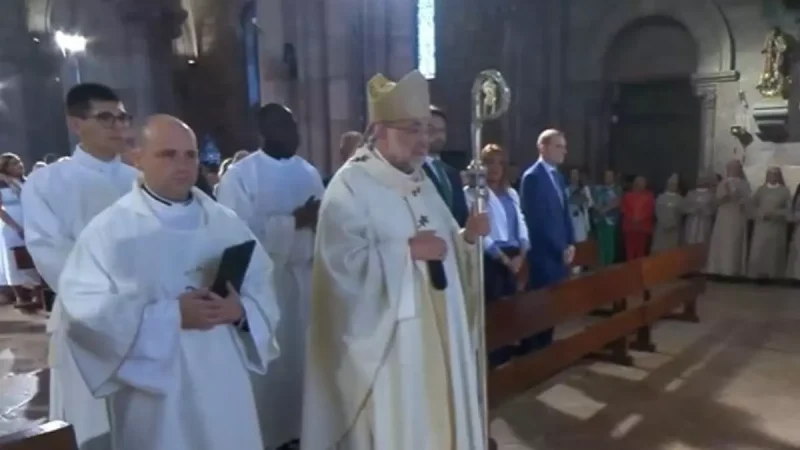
x,y
233,267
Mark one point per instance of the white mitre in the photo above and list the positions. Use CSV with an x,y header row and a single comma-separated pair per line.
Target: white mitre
x,y
390,101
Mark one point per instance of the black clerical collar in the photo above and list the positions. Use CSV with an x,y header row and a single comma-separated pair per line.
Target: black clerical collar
x,y
164,201
280,156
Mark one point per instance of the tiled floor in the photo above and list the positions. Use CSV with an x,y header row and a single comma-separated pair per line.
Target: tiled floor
x,y
23,379
730,382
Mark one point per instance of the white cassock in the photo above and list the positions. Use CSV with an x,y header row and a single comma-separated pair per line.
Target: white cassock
x,y
391,362
264,192
59,200
167,388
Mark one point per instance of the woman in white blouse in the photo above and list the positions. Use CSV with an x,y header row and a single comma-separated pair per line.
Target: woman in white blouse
x,y
507,244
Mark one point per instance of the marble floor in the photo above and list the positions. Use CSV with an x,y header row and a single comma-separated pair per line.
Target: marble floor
x,y
731,382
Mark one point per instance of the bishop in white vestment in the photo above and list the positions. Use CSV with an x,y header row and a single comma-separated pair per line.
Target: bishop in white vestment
x,y
59,200
391,359
171,357
277,193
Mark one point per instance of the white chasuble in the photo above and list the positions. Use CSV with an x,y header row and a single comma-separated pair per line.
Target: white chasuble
x,y
167,388
264,192
59,200
390,362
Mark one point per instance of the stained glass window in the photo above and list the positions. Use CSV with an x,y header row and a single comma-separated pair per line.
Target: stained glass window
x,y
426,38
250,33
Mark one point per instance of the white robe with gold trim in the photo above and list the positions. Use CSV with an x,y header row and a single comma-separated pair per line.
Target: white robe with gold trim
x,y
390,363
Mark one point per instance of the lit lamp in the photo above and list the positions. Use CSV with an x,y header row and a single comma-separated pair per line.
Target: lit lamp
x,y
742,135
71,45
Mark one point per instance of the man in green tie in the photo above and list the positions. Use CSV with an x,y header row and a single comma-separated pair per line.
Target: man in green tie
x,y
445,177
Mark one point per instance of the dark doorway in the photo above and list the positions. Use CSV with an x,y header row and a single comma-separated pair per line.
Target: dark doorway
x,y
655,131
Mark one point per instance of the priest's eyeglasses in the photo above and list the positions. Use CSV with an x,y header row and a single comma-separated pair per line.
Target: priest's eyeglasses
x,y
109,119
413,128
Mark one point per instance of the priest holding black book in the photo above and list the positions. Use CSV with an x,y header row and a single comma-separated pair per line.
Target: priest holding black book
x,y
150,326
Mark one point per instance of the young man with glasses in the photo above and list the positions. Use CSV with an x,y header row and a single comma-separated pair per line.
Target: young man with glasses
x,y
59,201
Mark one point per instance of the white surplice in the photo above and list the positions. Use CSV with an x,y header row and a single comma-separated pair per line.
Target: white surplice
x,y
264,192
367,371
59,200
167,388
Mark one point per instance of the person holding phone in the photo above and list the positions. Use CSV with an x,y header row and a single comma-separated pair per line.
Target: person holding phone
x,y
278,194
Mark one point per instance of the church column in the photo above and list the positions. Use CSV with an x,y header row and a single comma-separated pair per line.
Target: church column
x,y
555,51
706,87
150,28
708,117
272,37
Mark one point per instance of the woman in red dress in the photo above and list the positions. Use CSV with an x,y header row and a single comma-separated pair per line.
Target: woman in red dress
x,y
638,210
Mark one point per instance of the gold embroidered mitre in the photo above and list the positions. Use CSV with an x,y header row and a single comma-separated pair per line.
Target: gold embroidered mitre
x,y
407,99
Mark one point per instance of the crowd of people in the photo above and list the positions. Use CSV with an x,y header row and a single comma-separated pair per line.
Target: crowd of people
x,y
354,325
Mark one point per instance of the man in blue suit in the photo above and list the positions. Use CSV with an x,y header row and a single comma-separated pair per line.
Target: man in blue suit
x,y
445,177
543,200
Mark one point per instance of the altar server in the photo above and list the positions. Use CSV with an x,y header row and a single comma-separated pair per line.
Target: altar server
x,y
171,356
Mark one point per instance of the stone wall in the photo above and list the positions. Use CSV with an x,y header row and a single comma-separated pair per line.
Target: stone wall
x,y
555,56
521,38
339,44
729,36
129,48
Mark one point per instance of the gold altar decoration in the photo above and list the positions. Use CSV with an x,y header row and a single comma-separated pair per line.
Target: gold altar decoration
x,y
774,79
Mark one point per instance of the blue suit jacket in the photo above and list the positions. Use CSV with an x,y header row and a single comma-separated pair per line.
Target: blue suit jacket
x,y
549,226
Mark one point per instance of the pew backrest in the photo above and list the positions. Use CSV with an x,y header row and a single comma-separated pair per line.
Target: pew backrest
x,y
586,254
511,319
673,264
55,435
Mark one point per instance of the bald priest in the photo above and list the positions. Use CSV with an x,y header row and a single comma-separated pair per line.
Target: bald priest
x,y
390,362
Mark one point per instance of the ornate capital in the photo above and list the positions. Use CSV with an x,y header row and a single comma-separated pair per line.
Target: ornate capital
x,y
166,16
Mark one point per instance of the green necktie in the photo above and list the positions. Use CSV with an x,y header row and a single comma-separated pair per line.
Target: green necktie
x,y
444,182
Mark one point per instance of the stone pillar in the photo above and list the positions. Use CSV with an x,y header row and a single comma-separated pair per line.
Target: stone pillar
x,y
555,50
339,44
150,28
708,118
272,37
706,88
129,48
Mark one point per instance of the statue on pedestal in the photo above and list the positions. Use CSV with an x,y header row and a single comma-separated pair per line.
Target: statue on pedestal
x,y
774,80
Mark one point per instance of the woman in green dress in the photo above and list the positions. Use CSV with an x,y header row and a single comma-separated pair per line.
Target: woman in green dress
x,y
606,198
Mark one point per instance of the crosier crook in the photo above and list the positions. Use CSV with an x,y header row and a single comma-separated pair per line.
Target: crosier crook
x,y
490,100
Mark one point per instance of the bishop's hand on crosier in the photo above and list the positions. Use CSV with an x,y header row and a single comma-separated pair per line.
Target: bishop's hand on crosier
x,y
477,226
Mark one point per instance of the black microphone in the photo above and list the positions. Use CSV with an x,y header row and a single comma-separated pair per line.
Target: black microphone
x,y
437,275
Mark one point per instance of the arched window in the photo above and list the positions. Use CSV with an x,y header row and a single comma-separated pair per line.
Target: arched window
x,y
426,38
250,35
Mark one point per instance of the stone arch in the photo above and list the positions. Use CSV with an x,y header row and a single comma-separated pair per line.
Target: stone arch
x,y
702,18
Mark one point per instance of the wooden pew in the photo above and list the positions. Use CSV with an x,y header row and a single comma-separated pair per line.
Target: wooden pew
x,y
55,435
670,279
587,254
511,319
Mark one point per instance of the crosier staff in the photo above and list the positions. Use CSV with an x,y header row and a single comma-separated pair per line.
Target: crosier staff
x,y
490,100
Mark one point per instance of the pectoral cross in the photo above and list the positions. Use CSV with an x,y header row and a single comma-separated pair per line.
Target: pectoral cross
x,y
423,221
